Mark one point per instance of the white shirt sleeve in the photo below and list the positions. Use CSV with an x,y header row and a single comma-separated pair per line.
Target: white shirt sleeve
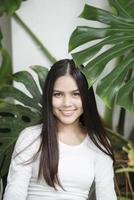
x,y
104,174
19,171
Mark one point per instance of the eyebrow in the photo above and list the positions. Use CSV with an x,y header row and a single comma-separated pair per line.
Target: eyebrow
x,y
63,91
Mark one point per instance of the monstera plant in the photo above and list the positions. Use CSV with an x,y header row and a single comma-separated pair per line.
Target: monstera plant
x,y
118,32
113,40
15,116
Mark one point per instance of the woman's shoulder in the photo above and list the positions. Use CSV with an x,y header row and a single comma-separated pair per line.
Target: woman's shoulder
x,y
28,136
98,153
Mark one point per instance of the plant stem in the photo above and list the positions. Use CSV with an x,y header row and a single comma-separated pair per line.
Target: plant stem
x,y
108,113
117,135
121,123
117,186
35,39
130,184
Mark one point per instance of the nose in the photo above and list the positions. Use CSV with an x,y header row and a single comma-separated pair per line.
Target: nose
x,y
67,101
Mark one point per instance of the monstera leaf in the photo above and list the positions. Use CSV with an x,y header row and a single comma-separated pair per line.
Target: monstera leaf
x,y
117,34
9,6
123,8
19,110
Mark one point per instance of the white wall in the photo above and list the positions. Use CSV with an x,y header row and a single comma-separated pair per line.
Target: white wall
x,y
53,22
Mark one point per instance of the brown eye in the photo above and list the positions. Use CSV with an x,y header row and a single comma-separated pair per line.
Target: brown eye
x,y
76,94
57,94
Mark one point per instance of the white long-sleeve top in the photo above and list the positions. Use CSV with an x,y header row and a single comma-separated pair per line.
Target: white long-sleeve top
x,y
78,166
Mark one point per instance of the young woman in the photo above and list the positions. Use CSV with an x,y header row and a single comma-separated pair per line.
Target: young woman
x,y
60,159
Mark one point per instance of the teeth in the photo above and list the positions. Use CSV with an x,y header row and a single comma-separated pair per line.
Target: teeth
x,y
67,112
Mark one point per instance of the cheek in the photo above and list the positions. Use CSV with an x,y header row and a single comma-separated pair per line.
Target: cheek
x,y
56,103
78,103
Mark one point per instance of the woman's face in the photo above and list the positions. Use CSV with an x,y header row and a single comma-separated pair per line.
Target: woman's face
x,y
66,100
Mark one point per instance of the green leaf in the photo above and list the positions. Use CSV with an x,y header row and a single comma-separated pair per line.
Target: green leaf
x,y
109,86
16,94
123,8
95,67
117,36
5,161
131,136
12,110
13,119
84,55
84,34
91,194
9,6
117,140
6,68
125,97
119,8
28,81
103,16
41,72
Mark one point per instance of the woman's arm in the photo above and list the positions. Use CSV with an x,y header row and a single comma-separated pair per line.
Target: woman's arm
x,y
20,170
17,181
104,175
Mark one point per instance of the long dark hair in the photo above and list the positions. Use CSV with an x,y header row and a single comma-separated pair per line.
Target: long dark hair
x,y
90,120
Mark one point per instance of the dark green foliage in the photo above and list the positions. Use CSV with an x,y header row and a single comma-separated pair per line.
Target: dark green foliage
x,y
18,110
117,36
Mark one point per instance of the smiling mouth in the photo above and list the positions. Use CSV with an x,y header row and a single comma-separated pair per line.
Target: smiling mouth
x,y
67,112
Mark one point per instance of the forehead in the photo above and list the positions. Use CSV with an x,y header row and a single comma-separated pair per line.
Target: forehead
x,y
65,83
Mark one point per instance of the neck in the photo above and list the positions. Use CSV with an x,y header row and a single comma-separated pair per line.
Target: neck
x,y
71,134
74,128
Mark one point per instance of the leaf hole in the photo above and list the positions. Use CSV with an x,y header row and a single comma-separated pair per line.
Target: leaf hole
x,y
26,119
6,114
5,130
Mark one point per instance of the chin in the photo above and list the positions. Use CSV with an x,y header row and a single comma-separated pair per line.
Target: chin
x,y
67,121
